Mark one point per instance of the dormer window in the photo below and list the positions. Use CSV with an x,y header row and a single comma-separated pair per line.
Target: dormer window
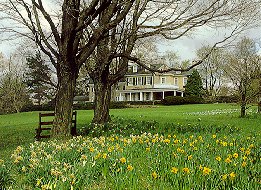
x,y
176,81
135,68
146,70
185,80
163,80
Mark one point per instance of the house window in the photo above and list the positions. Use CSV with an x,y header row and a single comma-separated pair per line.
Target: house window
x,y
176,81
129,81
143,80
147,96
185,80
135,68
139,80
134,81
163,80
148,80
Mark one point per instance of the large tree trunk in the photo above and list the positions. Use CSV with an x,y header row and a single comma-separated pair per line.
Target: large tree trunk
x,y
64,104
243,105
101,101
259,106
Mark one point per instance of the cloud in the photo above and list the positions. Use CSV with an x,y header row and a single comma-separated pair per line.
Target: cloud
x,y
186,47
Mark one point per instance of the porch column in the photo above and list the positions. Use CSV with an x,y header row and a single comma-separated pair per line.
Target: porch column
x,y
182,94
130,96
163,95
175,93
141,96
151,96
120,98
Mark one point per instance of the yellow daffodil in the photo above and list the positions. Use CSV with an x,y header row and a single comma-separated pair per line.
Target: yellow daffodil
x,y
244,164
218,158
224,177
38,182
83,157
224,143
248,151
123,160
228,160
232,175
206,171
235,155
97,156
104,155
18,159
130,168
189,157
1,161
186,170
154,175
24,169
174,170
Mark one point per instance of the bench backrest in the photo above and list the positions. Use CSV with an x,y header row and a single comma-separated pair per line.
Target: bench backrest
x,y
50,123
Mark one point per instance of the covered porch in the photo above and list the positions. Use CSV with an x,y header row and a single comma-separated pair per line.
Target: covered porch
x,y
147,95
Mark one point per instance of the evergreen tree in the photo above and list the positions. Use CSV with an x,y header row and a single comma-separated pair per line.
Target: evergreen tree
x,y
38,79
194,85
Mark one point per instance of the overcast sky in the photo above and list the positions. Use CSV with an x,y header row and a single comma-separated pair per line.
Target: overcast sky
x,y
186,47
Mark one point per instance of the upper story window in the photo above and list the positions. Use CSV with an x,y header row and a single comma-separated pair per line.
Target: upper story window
x,y
148,80
139,80
135,68
130,81
163,80
185,80
176,81
134,81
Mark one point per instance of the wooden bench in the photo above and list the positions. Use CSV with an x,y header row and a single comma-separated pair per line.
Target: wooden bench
x,y
39,130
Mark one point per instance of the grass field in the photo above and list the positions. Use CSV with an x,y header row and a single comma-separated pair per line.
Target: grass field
x,y
19,129
202,147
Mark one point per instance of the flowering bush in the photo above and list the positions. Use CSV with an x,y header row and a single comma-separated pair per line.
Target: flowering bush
x,y
146,161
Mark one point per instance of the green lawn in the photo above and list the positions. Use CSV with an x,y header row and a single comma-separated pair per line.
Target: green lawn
x,y
19,129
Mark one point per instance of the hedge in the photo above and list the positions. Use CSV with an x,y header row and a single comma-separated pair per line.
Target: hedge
x,y
178,100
